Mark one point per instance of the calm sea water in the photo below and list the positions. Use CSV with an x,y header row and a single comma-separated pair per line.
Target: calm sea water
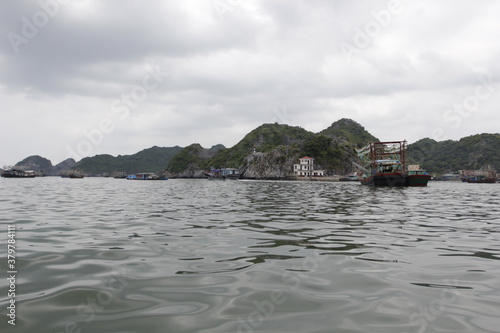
x,y
108,255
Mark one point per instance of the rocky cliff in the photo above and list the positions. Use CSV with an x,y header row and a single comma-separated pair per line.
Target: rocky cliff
x,y
276,164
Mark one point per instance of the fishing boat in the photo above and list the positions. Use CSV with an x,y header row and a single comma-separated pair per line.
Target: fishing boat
x,y
76,175
18,173
223,174
383,164
487,175
415,176
119,175
145,176
230,173
349,178
214,174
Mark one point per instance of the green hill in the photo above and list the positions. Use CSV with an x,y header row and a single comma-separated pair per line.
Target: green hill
x,y
262,139
471,152
333,148
37,163
332,155
350,131
191,158
148,160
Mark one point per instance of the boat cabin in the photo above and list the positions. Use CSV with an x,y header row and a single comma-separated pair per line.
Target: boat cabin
x,y
143,176
388,166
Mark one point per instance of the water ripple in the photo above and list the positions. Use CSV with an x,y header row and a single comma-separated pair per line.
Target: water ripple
x,y
106,255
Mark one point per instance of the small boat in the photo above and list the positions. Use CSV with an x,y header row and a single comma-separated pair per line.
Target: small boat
x,y
119,175
230,173
487,175
223,174
453,177
145,176
349,178
214,174
416,176
18,173
76,175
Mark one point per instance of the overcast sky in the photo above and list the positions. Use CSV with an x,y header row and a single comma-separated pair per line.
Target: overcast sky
x,y
84,77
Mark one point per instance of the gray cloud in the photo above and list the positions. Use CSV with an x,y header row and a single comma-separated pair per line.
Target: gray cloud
x,y
398,68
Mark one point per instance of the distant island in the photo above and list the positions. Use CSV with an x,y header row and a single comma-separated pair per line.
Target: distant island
x,y
271,150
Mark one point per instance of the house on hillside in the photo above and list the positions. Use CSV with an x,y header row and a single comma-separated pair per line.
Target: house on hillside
x,y
306,168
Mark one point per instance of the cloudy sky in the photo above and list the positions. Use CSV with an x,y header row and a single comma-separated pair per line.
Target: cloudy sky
x,y
86,77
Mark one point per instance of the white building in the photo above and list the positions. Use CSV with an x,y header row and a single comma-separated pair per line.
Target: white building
x,y
305,168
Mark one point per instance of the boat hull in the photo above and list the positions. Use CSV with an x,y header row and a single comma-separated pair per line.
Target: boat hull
x,y
17,176
482,181
232,176
386,180
417,180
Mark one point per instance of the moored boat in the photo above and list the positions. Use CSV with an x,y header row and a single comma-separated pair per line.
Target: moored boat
x,y
385,173
214,174
349,178
223,174
76,176
18,173
487,175
119,175
146,176
415,176
230,173
383,164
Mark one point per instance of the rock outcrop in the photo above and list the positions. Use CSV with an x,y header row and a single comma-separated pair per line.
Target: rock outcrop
x,y
192,161
38,164
64,165
276,164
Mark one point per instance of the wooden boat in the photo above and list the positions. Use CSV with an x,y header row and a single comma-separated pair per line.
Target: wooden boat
x,y
76,176
230,173
349,178
383,164
486,175
214,174
415,176
119,175
145,176
223,174
18,173
481,180
385,173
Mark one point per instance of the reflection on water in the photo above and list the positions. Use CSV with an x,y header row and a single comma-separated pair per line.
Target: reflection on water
x,y
108,255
